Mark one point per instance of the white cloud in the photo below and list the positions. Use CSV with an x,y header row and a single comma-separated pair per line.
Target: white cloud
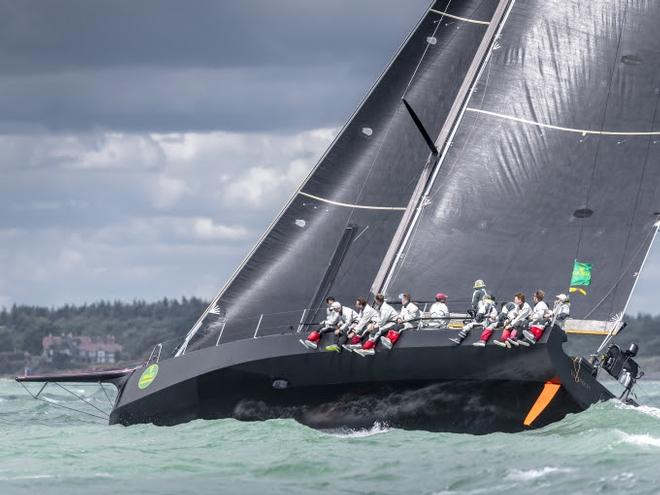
x,y
204,228
123,216
96,150
169,230
166,192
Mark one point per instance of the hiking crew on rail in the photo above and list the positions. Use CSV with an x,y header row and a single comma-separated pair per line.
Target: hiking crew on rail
x,y
360,330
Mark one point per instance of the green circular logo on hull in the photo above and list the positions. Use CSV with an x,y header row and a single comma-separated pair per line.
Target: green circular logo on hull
x,y
148,376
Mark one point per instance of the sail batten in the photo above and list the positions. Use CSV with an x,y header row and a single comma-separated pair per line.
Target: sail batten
x,y
458,18
350,205
562,128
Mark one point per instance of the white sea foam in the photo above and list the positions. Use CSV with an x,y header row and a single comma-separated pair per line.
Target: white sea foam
x,y
376,429
27,477
648,410
644,440
532,474
651,411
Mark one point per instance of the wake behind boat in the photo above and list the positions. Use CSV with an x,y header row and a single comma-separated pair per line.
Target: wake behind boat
x,y
511,141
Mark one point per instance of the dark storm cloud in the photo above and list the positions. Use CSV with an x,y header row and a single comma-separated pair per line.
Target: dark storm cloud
x,y
195,65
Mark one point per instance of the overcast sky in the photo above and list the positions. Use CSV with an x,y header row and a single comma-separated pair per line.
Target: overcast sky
x,y
145,146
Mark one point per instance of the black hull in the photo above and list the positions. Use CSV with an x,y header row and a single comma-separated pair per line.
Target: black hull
x,y
424,383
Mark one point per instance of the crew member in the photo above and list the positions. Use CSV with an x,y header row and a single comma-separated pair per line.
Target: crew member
x,y
486,315
519,321
409,313
387,317
367,317
347,322
439,311
538,319
557,316
502,321
479,293
332,316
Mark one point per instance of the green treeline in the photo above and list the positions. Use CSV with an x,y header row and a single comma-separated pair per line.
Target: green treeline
x,y
137,326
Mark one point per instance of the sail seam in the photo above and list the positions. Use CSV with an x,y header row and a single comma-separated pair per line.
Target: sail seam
x,y
350,205
458,18
561,128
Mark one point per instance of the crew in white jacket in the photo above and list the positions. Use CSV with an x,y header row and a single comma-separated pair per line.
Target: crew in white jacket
x,y
354,328
519,322
541,311
407,319
333,318
538,320
561,310
439,312
387,317
557,316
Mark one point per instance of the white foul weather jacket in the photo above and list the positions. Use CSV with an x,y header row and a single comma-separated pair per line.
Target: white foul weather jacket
x,y
366,316
539,313
348,317
561,312
440,311
386,314
520,313
409,312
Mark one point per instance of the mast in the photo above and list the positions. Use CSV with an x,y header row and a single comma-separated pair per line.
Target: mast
x,y
443,140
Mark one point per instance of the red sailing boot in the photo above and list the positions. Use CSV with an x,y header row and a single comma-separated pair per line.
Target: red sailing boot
x,y
390,340
312,341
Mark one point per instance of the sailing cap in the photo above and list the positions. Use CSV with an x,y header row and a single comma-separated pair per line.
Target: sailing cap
x,y
441,296
336,306
479,284
562,297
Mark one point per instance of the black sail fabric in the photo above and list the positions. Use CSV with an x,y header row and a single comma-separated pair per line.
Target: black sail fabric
x,y
556,159
332,236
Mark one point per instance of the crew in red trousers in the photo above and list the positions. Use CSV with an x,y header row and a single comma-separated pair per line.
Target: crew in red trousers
x,y
409,313
557,316
332,318
502,321
518,323
387,317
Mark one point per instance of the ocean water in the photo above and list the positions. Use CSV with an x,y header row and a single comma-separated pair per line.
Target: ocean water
x,y
46,450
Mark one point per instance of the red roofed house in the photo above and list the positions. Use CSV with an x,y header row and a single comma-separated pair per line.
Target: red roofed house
x,y
81,348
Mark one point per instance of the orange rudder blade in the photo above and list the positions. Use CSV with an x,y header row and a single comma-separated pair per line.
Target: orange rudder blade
x,y
549,391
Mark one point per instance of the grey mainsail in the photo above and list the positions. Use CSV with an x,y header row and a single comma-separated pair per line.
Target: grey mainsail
x,y
335,231
555,160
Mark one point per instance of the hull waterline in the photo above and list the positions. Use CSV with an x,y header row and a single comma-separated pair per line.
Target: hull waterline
x,y
424,383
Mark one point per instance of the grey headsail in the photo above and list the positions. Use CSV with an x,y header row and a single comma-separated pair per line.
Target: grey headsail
x,y
554,165
335,231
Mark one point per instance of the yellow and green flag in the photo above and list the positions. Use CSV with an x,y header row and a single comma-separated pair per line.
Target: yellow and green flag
x,y
581,276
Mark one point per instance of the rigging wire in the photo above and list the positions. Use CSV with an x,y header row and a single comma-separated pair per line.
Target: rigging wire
x,y
638,196
426,49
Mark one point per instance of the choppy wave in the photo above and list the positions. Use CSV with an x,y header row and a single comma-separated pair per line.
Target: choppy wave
x,y
532,474
51,451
